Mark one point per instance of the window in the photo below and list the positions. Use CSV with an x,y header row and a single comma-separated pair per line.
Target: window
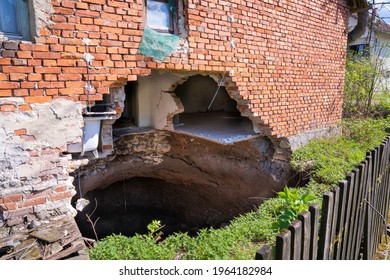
x,y
161,15
14,19
361,50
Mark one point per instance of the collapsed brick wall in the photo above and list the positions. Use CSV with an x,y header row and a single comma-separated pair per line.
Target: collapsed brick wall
x,y
288,60
287,66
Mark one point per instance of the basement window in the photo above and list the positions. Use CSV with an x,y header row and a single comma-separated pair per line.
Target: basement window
x,y
161,15
14,19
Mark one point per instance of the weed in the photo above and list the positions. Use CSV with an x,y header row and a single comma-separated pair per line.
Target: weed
x,y
295,202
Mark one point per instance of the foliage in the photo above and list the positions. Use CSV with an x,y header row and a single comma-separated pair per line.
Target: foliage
x,y
364,78
328,160
295,202
238,240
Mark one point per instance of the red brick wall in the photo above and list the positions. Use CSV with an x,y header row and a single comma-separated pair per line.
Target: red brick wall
x,y
288,61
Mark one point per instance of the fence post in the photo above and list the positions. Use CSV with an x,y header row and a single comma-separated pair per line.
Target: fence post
x,y
296,239
343,186
335,211
283,245
367,211
265,253
326,226
314,210
304,217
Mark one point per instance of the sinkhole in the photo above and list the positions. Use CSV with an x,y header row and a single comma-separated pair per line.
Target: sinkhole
x,y
127,207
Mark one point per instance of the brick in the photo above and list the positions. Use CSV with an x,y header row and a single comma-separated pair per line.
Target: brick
x,y
39,194
5,61
8,53
48,70
24,108
52,92
8,206
39,48
66,62
20,92
10,45
46,55
5,92
24,54
17,77
60,196
38,99
71,91
8,85
31,202
34,77
17,69
20,131
13,198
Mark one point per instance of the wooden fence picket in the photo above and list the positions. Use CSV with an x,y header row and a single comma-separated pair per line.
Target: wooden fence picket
x,y
304,217
283,245
265,253
314,210
326,226
296,239
343,186
352,217
336,193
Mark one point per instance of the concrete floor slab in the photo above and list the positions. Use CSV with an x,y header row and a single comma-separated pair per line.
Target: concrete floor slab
x,y
225,127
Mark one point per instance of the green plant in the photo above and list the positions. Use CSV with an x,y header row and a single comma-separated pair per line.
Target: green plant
x,y
327,161
295,202
365,78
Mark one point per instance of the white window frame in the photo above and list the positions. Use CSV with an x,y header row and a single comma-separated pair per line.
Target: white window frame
x,y
174,26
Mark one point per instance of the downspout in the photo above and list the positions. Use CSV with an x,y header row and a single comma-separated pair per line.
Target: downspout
x,y
360,27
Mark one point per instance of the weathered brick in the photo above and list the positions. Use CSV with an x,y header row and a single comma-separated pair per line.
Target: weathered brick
x,y
38,99
20,131
8,85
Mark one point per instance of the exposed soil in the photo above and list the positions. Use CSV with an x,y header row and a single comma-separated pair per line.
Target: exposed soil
x,y
186,182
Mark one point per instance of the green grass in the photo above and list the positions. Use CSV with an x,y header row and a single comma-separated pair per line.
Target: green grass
x,y
327,161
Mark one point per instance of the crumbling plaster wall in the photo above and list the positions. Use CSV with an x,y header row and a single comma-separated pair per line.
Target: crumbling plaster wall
x,y
34,180
155,102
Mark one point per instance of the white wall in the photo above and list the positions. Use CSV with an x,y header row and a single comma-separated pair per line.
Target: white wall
x,y
154,103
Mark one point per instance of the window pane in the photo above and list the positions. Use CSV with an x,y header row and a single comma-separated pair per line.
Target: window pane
x,y
159,16
8,18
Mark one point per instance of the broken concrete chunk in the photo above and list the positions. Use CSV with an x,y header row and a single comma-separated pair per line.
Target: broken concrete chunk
x,y
55,248
81,204
48,235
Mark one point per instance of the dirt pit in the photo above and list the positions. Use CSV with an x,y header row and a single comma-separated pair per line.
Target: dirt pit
x,y
127,207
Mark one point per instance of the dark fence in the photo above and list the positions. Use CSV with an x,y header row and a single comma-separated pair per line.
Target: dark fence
x,y
352,221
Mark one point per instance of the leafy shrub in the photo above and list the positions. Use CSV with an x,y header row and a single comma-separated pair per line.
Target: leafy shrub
x,y
364,80
294,202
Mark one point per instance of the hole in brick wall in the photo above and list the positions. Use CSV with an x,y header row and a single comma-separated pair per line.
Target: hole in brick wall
x,y
129,121
127,207
210,112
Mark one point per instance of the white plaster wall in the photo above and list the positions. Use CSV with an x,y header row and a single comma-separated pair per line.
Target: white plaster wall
x,y
48,125
154,102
